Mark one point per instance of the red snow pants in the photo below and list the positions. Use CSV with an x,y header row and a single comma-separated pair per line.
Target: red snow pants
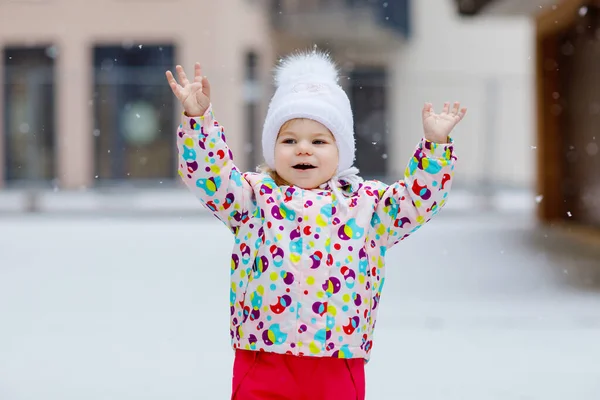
x,y
260,375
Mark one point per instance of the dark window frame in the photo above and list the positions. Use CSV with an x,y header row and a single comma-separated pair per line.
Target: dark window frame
x,y
45,113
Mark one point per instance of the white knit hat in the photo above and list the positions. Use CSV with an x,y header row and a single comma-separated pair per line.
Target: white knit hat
x,y
307,88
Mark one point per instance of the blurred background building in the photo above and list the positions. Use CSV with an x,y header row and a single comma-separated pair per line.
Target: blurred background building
x,y
85,106
567,40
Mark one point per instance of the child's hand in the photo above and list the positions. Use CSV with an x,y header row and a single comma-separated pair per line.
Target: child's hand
x,y
194,96
437,127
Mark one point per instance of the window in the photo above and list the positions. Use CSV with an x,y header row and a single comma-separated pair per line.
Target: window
x,y
29,114
251,99
133,113
368,98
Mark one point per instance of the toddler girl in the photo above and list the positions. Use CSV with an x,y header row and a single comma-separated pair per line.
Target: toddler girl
x,y
308,264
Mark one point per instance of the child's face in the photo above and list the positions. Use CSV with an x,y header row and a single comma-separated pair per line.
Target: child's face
x,y
306,154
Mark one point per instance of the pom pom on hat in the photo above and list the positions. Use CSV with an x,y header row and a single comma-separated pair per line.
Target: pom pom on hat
x,y
313,65
307,88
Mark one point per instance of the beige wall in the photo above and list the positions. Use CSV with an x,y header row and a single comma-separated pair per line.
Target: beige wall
x,y
215,33
452,58
429,67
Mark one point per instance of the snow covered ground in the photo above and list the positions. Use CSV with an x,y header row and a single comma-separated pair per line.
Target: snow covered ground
x,y
123,308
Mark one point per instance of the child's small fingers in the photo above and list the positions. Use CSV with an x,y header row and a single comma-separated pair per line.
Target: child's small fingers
x,y
446,108
462,112
206,86
170,77
426,109
181,75
172,83
197,72
455,108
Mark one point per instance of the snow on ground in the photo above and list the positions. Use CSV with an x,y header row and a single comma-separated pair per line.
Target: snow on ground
x,y
127,308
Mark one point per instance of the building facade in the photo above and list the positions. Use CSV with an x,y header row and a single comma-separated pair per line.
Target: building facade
x,y
568,105
85,104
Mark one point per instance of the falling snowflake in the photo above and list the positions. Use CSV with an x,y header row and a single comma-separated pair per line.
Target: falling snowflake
x,y
538,199
569,213
24,127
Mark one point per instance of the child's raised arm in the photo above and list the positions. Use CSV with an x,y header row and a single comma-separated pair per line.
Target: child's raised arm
x,y
205,161
409,203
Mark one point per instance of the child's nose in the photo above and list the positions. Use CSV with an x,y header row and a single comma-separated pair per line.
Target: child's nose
x,y
304,147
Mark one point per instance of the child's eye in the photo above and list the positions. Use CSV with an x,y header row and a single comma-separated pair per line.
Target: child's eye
x,y
288,141
319,142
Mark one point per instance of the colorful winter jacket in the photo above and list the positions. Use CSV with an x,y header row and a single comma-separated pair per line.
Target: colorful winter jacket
x,y
307,274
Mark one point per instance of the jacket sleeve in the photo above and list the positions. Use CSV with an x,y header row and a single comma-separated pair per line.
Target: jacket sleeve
x,y
411,202
207,169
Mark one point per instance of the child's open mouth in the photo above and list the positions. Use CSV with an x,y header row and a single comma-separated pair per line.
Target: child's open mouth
x,y
303,166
